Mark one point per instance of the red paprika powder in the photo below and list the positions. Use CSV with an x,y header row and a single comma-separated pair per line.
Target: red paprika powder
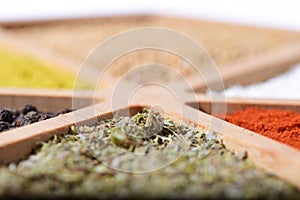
x,y
280,125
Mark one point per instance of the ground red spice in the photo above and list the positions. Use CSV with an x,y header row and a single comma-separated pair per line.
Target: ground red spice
x,y
280,125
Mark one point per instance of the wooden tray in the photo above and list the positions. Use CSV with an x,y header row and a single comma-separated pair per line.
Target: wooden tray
x,y
266,153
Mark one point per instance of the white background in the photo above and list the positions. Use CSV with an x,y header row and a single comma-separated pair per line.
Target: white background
x,y
279,14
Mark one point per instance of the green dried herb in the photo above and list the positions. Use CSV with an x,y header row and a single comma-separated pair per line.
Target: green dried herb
x,y
83,163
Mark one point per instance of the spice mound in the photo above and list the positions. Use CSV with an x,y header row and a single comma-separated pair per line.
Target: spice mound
x,y
79,164
280,125
10,119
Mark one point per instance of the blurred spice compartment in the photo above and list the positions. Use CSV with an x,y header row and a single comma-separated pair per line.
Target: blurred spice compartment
x,y
237,50
229,45
19,68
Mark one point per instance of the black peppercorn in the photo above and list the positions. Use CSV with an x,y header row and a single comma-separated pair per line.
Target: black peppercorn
x,y
6,116
30,117
4,126
28,108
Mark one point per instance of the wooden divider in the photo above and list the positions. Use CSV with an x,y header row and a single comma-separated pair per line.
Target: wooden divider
x,y
205,104
46,100
249,71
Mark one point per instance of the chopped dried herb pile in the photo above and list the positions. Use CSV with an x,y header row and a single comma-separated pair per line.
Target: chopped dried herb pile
x,y
10,119
88,162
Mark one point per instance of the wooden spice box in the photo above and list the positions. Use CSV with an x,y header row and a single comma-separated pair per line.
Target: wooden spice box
x,y
267,154
270,155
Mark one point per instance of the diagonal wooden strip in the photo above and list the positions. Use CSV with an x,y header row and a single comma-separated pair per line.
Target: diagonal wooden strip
x,y
252,70
46,100
17,144
233,104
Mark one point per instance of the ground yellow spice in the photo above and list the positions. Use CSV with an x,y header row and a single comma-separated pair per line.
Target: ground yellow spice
x,y
20,70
